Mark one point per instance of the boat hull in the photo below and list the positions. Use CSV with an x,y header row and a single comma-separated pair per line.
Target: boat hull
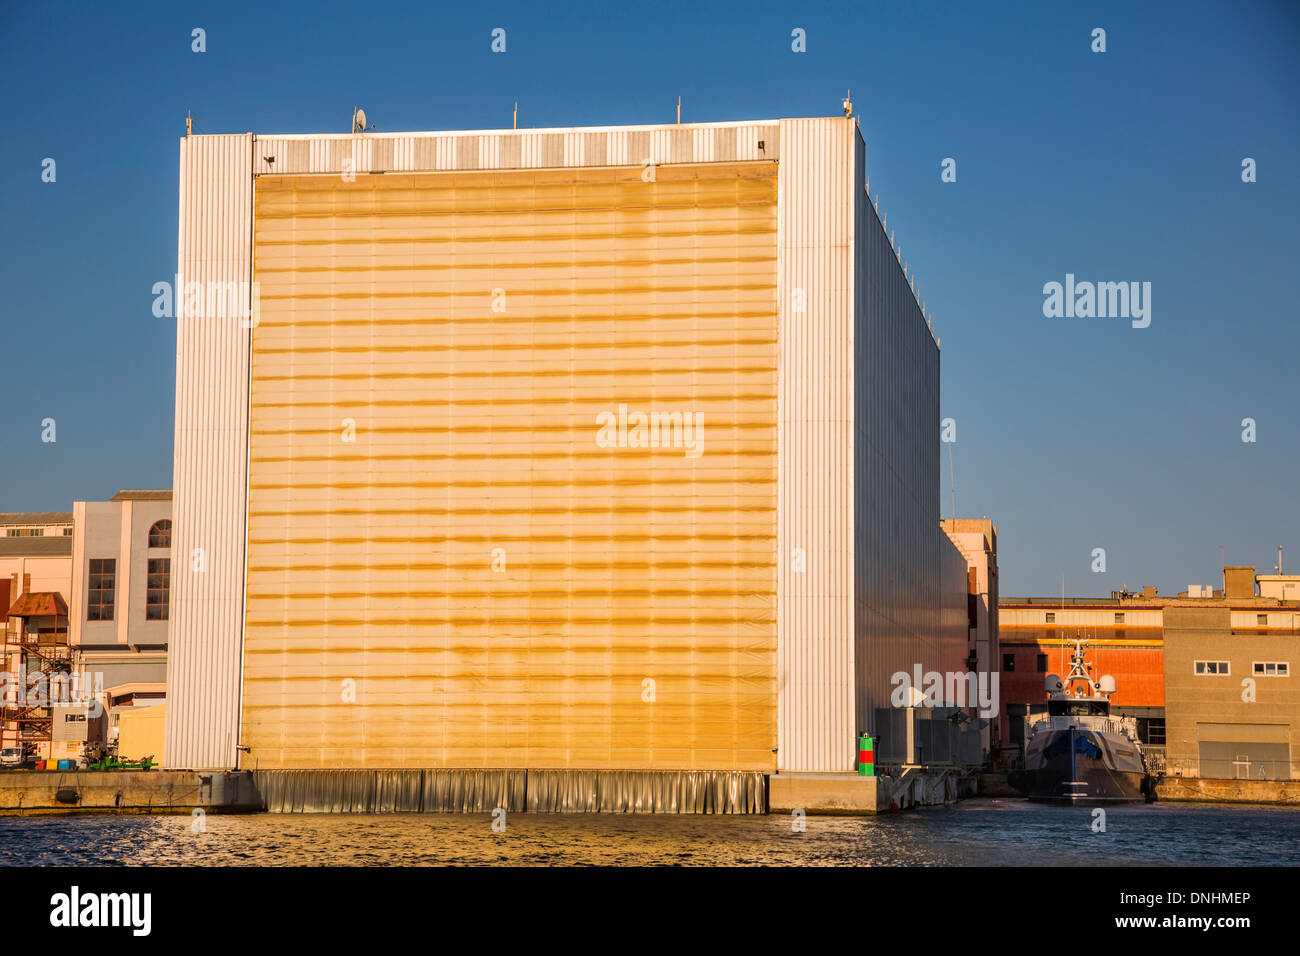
x,y
1082,767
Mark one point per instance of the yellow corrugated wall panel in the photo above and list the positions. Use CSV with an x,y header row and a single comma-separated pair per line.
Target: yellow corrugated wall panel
x,y
472,326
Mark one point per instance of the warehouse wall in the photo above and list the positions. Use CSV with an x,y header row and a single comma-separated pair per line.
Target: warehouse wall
x,y
210,468
881,587
379,547
445,566
815,540
909,580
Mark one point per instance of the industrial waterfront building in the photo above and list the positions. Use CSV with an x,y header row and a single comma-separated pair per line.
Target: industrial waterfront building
x,y
570,449
85,604
1209,675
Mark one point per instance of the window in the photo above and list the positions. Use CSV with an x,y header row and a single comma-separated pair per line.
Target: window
x,y
101,589
26,532
1051,618
1119,618
1151,730
1272,669
1042,663
1078,708
1212,667
1008,662
1261,620
67,532
160,535
157,588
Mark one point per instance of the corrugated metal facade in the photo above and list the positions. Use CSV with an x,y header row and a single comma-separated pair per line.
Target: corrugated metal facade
x,y
815,517
909,578
446,568
518,149
882,588
211,454
372,560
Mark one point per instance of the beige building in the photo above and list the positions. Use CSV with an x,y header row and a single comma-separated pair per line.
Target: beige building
x,y
121,583
90,591
1285,587
35,576
977,540
1232,695
35,554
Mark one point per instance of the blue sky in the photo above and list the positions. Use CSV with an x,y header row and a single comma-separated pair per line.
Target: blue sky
x,y
1072,434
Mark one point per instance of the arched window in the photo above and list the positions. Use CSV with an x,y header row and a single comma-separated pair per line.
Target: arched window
x,y
160,535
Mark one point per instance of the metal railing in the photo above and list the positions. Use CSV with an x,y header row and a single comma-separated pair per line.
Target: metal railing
x,y
1107,725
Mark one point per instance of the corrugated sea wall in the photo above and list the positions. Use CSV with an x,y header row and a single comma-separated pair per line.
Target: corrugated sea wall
x,y
517,791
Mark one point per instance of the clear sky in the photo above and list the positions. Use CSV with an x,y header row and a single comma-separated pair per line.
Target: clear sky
x,y
1072,433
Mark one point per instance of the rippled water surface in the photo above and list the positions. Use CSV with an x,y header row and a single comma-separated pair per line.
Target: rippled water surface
x,y
999,832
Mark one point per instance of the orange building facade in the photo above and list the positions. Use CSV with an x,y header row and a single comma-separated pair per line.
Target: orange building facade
x,y
1124,639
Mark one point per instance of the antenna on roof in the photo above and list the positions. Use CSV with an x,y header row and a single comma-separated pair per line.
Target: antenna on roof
x,y
189,124
358,120
848,103
679,111
516,119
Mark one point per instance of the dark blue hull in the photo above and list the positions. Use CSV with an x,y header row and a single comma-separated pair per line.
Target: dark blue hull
x,y
1083,767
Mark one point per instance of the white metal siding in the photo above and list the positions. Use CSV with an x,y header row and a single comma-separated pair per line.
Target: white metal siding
x,y
210,471
517,149
910,580
815,698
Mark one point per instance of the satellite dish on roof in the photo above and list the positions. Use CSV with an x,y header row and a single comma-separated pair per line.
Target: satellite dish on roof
x,y
358,121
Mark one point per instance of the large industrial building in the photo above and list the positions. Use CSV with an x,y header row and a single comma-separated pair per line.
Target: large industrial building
x,y
568,449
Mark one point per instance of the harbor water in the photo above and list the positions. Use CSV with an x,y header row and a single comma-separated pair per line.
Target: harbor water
x,y
980,831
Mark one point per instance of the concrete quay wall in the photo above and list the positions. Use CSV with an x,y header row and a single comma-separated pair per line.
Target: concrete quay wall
x,y
125,791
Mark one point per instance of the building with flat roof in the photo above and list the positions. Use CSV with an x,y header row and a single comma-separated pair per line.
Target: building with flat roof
x,y
35,554
35,594
584,448
1124,640
1208,674
977,539
121,571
